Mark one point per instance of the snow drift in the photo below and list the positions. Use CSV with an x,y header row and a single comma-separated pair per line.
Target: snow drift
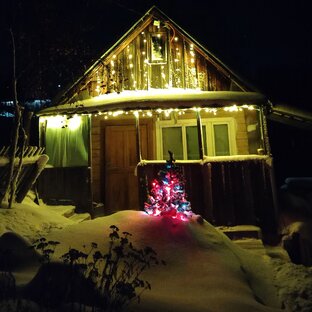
x,y
205,270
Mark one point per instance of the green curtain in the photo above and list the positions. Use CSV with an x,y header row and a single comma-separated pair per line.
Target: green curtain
x,y
67,146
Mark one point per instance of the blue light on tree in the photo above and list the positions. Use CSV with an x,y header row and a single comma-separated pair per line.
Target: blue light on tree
x,y
167,195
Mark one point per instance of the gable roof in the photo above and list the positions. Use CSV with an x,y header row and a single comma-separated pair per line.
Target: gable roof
x,y
135,30
73,94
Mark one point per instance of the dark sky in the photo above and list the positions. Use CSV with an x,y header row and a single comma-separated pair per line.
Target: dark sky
x,y
268,43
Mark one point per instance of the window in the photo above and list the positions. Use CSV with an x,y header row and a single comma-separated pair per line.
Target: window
x,y
158,48
67,141
182,138
221,139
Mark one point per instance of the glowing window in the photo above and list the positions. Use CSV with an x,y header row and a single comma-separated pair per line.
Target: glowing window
x,y
158,48
182,138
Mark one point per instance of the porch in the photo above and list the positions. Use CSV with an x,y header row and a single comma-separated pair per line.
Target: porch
x,y
226,191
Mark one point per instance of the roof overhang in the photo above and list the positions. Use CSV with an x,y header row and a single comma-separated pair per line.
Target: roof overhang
x,y
291,116
153,99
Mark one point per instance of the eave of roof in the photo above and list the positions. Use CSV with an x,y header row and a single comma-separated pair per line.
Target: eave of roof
x,y
291,116
153,99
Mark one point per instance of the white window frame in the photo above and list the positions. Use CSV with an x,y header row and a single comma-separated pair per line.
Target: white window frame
x,y
208,123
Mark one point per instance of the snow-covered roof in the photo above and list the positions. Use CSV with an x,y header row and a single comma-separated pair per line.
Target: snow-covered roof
x,y
292,116
153,99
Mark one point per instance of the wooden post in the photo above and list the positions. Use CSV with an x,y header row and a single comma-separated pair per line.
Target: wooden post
x,y
200,135
138,136
264,132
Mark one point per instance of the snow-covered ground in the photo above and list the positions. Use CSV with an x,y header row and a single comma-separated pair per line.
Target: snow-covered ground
x,y
205,270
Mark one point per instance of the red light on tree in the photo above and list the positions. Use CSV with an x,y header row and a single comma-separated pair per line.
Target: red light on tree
x,y
167,196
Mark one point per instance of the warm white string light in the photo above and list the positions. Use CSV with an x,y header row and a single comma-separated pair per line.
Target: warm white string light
x,y
73,121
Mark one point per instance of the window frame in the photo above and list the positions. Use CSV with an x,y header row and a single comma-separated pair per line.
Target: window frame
x,y
164,59
208,123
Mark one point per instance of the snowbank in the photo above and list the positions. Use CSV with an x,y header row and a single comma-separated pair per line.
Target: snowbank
x,y
30,220
205,270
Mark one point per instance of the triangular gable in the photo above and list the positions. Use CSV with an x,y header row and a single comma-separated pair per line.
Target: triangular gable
x,y
154,54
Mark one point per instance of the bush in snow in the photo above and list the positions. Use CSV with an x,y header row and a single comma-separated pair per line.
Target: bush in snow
x,y
106,281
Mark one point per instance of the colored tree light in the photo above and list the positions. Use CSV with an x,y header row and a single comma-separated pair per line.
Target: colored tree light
x,y
167,195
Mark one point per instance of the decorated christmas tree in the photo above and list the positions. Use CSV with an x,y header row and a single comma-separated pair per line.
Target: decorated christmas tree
x,y
167,195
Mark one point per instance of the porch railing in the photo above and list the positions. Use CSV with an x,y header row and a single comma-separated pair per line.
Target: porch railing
x,y
230,191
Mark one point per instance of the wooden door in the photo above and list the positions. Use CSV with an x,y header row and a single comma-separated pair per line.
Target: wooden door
x,y
121,184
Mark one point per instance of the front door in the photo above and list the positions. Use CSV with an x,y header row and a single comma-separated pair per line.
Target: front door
x,y
121,185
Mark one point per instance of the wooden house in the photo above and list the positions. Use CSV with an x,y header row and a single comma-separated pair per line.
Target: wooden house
x,y
158,89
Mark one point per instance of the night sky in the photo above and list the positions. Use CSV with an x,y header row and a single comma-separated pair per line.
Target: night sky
x,y
267,43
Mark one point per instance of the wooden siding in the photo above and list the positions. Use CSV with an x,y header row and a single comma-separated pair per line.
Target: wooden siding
x,y
131,67
69,185
95,157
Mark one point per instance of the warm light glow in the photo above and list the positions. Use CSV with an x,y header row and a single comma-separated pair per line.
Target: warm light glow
x,y
249,107
211,110
56,121
74,122
167,112
233,108
117,113
62,121
180,111
136,114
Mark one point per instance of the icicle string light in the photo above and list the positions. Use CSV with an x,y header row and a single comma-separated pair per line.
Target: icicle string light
x,y
60,120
